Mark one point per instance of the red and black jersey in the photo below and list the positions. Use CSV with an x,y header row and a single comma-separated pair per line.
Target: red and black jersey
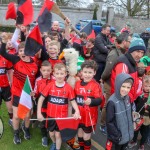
x,y
12,51
40,84
54,61
58,98
89,90
4,66
21,70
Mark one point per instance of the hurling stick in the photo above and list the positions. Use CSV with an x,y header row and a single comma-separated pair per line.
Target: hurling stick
x,y
55,9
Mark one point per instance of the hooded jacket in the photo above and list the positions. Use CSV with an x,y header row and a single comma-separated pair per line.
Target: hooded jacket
x,y
119,115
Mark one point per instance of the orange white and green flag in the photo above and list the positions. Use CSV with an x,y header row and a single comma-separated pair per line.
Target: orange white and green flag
x,y
25,103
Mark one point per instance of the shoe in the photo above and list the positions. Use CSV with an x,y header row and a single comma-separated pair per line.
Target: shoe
x,y
17,139
45,141
26,132
53,146
10,123
73,144
141,147
132,144
103,130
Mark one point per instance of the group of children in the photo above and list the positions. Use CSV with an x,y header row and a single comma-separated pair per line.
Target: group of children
x,y
48,74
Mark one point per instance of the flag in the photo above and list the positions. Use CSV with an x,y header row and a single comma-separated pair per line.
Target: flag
x,y
24,12
45,17
33,42
11,11
68,128
148,101
88,29
25,103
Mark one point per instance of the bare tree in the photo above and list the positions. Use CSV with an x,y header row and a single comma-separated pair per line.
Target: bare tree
x,y
133,7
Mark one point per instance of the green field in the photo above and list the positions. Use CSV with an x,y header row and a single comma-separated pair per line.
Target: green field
x,y
6,142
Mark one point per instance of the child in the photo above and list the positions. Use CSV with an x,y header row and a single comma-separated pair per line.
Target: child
x,y
88,97
118,115
59,93
144,110
40,84
23,65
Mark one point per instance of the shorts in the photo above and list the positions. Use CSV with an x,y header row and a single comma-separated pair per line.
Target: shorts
x,y
86,129
15,101
5,94
52,125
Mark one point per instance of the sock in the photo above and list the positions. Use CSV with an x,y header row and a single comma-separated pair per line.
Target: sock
x,y
87,145
81,142
10,115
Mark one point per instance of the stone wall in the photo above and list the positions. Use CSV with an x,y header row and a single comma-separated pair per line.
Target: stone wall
x,y
75,14
138,24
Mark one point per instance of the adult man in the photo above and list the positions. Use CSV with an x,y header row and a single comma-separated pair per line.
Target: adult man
x,y
101,50
127,63
121,46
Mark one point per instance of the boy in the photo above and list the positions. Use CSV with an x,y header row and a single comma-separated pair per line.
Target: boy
x,y
88,97
40,84
59,93
144,110
23,65
118,115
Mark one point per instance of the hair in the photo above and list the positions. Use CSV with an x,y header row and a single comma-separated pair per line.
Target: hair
x,y
113,34
91,40
129,80
21,45
47,36
83,35
146,79
59,66
53,42
105,26
89,64
122,37
54,33
46,63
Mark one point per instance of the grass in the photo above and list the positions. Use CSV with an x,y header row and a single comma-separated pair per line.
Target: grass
x,y
6,142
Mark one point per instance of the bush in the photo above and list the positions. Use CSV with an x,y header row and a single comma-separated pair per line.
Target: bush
x,y
7,29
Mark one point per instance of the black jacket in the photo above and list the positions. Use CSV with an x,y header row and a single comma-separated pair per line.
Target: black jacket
x,y
100,48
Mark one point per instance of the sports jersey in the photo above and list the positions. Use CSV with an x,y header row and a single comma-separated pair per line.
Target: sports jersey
x,y
58,98
4,66
21,70
40,84
54,61
89,90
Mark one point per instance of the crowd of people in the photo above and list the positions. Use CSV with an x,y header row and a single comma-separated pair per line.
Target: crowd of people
x,y
117,62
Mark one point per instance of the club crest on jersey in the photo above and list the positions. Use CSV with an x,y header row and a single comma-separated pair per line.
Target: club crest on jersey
x,y
33,72
89,91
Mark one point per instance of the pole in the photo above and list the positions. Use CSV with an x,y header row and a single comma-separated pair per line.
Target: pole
x,y
67,118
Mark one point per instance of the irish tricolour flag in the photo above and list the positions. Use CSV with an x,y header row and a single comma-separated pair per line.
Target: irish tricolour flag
x,y
25,103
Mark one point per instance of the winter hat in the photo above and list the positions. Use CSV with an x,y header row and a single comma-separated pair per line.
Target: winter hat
x,y
137,44
136,35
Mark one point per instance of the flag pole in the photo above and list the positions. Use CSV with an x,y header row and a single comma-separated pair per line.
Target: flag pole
x,y
67,118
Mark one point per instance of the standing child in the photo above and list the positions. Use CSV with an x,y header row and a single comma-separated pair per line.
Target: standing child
x,y
88,97
119,115
59,93
40,84
23,66
144,110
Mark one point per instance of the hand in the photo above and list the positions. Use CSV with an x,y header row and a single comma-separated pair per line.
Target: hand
x,y
87,101
40,117
32,93
67,21
77,115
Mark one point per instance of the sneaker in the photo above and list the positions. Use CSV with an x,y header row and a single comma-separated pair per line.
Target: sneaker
x,y
132,144
103,130
53,146
17,139
26,132
45,141
73,144
10,123
141,147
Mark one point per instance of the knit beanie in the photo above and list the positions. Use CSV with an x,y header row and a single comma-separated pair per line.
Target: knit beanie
x,y
137,44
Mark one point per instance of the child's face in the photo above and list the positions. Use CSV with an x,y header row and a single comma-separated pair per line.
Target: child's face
x,y
46,71
146,87
60,74
47,41
125,89
9,44
87,74
53,51
22,56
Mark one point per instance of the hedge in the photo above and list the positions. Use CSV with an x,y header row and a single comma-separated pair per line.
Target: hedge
x,y
7,29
